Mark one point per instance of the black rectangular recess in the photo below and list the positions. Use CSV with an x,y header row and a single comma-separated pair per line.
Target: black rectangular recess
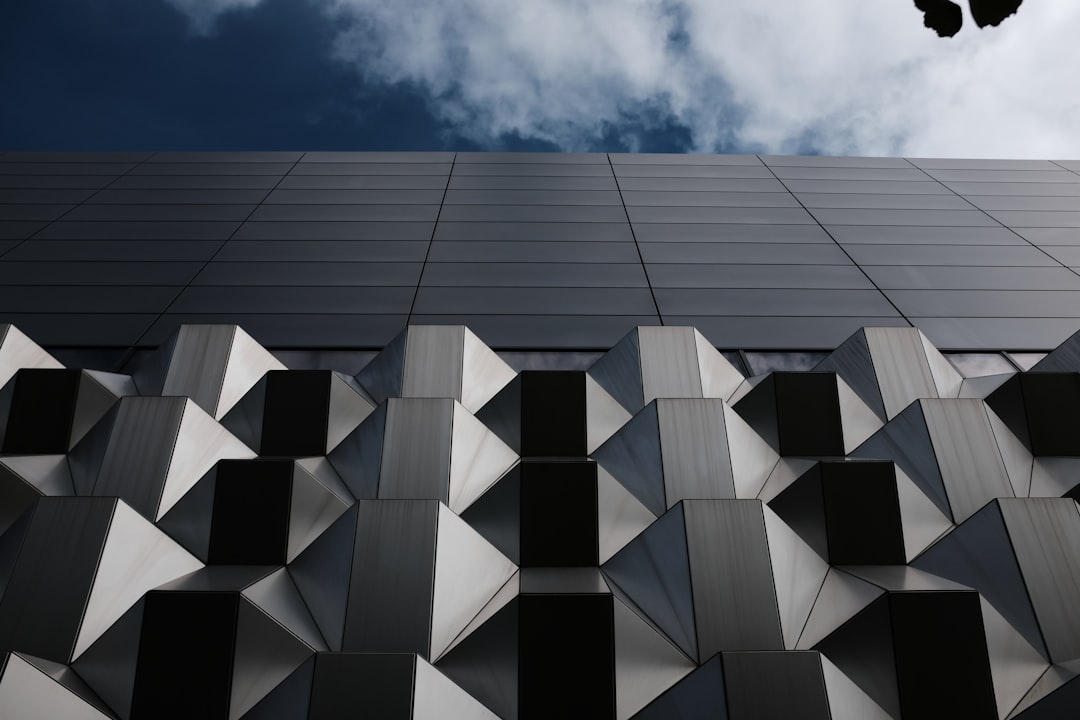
x,y
558,514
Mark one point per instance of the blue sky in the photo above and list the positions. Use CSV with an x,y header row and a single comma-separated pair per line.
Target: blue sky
x,y
853,77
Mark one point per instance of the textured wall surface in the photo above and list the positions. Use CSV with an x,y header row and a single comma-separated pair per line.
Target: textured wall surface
x,y
538,250
213,535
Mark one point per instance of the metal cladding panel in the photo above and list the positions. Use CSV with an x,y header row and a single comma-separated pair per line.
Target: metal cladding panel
x,y
27,691
542,254
197,367
140,450
45,599
775,685
654,571
393,577
695,449
980,554
433,356
1044,533
967,452
416,449
735,600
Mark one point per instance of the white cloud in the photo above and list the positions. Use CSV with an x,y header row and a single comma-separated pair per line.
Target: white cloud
x,y
853,77
204,13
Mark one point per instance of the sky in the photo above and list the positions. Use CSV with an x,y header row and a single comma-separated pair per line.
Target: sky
x,y
844,77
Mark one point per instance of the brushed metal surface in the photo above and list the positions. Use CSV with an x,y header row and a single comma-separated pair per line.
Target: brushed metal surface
x,y
669,363
1044,533
135,558
393,576
416,449
433,357
646,663
436,696
967,453
694,449
469,571
734,598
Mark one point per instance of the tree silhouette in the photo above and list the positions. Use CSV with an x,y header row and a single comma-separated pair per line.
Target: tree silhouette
x,y
945,17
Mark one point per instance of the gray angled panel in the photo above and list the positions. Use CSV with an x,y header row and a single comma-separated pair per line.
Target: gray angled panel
x,y
1045,534
967,453
619,372
245,418
775,685
694,447
734,594
94,399
633,457
322,575
45,598
902,367
416,449
1064,358
655,573
497,514
906,441
485,663
290,699
197,364
862,648
383,376
277,596
188,521
980,555
393,577
502,414
433,356
852,362
646,663
108,666
669,363
312,508
84,460
140,449
349,405
266,654
698,696
358,457
26,691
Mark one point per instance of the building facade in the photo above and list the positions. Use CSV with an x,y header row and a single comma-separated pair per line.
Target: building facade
x,y
315,435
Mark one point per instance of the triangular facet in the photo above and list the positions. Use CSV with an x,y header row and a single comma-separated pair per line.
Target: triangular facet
x,y
28,692
349,405
654,571
633,457
477,459
277,596
137,557
842,596
646,663
248,362
483,373
312,508
200,442
108,666
620,515
468,573
980,555
436,696
266,654
321,573
798,573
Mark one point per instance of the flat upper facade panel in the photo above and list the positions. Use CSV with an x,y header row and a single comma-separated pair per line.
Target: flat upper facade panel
x,y
343,249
